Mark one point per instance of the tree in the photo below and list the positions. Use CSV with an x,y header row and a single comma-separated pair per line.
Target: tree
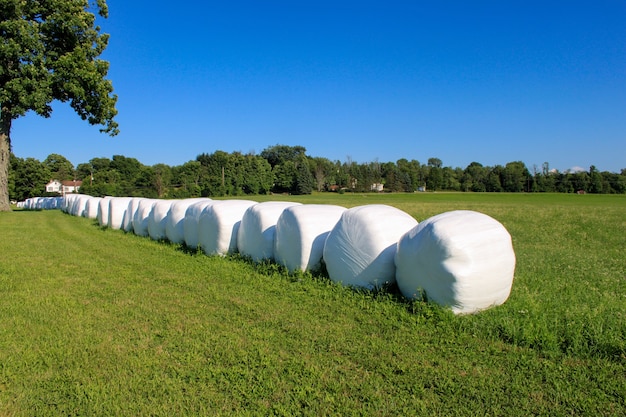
x,y
279,154
162,178
60,167
49,51
29,178
304,179
595,179
515,177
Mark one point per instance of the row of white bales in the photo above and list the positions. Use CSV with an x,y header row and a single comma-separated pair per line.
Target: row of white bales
x,y
460,259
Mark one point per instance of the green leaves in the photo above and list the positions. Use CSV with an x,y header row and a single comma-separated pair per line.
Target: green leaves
x,y
49,51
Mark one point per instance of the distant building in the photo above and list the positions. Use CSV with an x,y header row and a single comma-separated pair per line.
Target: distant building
x,y
63,187
54,186
377,187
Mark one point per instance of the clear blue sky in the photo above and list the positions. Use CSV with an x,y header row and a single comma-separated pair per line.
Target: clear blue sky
x,y
486,81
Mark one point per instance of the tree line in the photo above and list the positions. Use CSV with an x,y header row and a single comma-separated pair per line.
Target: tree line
x,y
288,169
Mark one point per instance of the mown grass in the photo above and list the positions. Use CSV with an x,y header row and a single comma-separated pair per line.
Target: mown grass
x,y
98,322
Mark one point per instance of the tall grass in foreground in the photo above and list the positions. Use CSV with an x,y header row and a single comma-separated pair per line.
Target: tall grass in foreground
x,y
98,322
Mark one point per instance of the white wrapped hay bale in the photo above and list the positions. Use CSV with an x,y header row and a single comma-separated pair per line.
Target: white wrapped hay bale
x,y
218,226
58,202
117,210
255,237
360,249
460,259
91,208
174,223
78,205
301,232
140,219
103,211
190,222
65,205
129,214
37,203
158,218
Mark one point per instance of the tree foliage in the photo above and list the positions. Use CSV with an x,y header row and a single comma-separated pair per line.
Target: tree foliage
x,y
236,174
49,51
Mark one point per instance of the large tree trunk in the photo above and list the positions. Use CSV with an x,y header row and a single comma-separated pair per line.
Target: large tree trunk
x,y
5,150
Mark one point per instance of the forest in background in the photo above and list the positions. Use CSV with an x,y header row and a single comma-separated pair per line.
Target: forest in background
x,y
288,169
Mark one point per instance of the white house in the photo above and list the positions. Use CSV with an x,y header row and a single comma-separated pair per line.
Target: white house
x,y
63,187
377,187
54,186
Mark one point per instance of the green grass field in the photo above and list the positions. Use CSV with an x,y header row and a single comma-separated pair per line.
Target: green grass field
x,y
98,322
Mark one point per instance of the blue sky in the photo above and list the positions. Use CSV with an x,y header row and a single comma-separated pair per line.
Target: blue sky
x,y
485,81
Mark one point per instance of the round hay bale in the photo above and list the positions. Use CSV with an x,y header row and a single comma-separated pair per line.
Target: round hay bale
x,y
218,226
103,211
158,218
360,249
460,259
190,222
78,204
118,206
129,214
91,208
140,219
174,223
301,232
255,237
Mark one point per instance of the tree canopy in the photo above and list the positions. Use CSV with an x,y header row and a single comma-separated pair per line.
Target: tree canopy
x,y
235,174
49,51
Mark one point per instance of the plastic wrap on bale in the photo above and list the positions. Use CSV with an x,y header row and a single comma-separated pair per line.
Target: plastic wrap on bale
x,y
301,232
140,220
129,214
91,208
103,211
78,205
117,210
218,226
460,259
360,249
190,222
258,225
158,218
174,222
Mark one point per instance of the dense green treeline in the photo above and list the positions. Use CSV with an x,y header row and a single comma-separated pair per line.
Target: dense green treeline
x,y
287,169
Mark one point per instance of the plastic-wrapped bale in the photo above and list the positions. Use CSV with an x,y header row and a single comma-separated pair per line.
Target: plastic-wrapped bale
x,y
129,214
91,208
78,205
255,237
360,249
67,202
37,203
190,223
174,223
58,202
51,203
117,210
31,203
103,211
140,219
301,232
218,226
460,259
65,206
158,218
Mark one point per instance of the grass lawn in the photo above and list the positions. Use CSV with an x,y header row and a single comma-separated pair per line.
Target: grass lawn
x,y
98,322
